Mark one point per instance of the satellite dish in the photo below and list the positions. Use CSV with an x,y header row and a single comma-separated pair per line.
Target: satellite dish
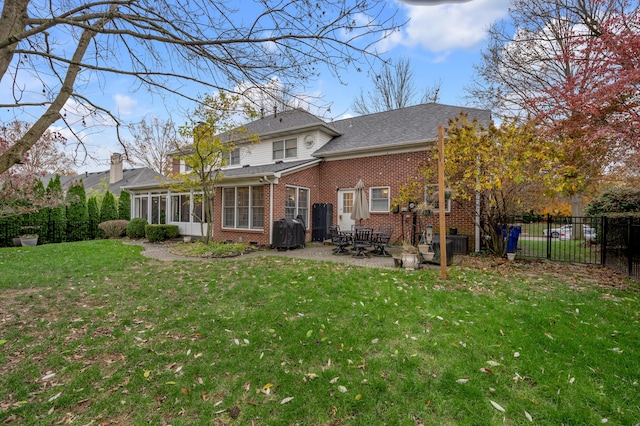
x,y
309,141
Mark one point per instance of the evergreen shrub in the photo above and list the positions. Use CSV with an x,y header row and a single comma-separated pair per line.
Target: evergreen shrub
x,y
77,215
617,200
94,217
124,206
161,232
108,210
135,228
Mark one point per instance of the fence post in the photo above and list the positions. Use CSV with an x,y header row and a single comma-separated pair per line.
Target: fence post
x,y
603,240
548,236
629,248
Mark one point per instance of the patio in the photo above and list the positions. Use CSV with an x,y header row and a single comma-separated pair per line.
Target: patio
x,y
313,251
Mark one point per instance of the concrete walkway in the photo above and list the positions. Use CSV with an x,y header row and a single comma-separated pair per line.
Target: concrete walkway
x,y
313,251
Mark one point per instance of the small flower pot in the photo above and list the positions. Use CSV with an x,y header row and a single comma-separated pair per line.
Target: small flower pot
x,y
426,251
17,242
428,257
511,256
29,240
187,238
410,261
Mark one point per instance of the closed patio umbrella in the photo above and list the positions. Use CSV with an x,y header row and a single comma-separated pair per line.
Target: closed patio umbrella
x,y
360,209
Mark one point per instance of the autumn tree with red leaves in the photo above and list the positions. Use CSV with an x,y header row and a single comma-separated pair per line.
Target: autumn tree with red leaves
x,y
572,66
18,194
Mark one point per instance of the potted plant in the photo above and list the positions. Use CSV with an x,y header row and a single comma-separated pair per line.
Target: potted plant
x,y
29,235
426,251
410,256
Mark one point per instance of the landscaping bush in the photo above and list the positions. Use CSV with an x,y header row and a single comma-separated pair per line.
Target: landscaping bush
x,y
108,209
57,216
124,206
172,231
618,200
94,217
161,232
135,228
114,228
77,214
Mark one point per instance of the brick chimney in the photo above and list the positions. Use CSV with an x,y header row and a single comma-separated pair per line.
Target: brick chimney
x,y
115,174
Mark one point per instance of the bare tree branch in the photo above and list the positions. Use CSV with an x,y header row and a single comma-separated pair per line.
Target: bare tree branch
x,y
393,88
162,46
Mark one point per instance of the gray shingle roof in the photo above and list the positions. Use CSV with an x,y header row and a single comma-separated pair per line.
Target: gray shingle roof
x,y
139,177
286,121
395,128
266,169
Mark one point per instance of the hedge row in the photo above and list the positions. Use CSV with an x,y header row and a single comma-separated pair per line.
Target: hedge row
x,y
161,232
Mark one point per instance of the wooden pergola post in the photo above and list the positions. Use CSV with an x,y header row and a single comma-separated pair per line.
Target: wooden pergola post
x,y
441,201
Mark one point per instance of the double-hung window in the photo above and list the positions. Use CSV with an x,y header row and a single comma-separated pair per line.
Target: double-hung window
x,y
297,203
379,197
233,157
243,207
432,197
287,148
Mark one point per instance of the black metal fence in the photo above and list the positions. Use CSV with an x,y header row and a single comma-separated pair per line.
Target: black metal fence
x,y
52,231
612,242
621,245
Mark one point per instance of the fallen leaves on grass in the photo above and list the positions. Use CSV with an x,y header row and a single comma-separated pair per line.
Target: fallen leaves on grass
x,y
496,406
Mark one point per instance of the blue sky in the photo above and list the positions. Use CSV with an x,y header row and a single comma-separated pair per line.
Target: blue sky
x,y
442,41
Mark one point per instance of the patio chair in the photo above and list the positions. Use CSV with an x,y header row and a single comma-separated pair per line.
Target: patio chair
x,y
362,241
339,240
381,241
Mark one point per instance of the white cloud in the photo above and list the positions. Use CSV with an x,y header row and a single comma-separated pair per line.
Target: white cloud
x,y
124,104
446,27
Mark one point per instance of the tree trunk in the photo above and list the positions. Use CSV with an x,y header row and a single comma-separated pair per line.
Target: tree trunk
x,y
12,21
17,151
577,231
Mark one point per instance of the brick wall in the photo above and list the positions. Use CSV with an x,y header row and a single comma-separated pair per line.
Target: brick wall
x,y
388,170
324,181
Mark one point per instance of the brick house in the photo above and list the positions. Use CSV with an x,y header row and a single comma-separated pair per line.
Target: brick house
x,y
303,164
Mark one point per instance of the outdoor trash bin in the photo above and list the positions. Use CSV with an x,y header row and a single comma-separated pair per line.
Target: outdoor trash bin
x,y
512,242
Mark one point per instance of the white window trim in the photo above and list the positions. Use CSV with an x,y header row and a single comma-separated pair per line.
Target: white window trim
x,y
284,149
235,212
183,166
230,156
386,210
192,205
431,191
308,207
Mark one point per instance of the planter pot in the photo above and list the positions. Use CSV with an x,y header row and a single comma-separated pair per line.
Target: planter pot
x,y
187,238
29,241
410,261
16,242
428,257
511,256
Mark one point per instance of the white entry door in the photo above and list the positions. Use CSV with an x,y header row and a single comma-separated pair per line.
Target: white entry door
x,y
345,206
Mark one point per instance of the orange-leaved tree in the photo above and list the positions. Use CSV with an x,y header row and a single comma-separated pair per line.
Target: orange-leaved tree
x,y
490,171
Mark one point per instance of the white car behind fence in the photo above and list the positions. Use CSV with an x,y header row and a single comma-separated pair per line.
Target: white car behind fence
x,y
564,232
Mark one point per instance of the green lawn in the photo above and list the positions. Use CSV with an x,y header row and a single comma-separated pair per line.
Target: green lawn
x,y
577,251
94,333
